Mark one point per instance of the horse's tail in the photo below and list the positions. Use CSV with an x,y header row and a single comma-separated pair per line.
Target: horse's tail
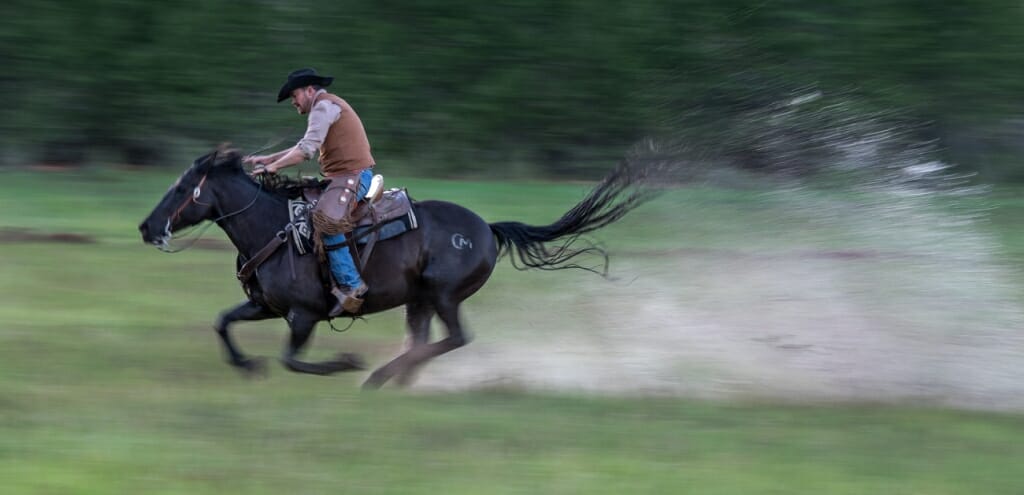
x,y
619,193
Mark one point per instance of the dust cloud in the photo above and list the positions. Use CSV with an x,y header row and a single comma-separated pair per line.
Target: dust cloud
x,y
880,287
897,322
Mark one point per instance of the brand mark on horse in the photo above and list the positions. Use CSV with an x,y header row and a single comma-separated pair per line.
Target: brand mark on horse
x,y
459,241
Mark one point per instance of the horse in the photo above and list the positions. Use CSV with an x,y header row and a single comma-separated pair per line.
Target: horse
x,y
430,270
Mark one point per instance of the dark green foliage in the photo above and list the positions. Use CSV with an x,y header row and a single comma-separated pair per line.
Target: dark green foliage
x,y
561,87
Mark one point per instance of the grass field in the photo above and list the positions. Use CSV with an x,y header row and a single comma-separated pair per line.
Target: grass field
x,y
111,380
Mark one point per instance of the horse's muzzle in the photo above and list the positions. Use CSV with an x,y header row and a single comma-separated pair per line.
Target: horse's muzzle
x,y
144,229
159,238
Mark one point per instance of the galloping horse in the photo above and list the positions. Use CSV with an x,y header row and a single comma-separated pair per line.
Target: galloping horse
x,y
422,269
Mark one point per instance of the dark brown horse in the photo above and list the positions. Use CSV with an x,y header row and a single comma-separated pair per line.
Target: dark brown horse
x,y
430,270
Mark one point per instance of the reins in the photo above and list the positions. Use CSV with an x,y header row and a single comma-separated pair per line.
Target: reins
x,y
196,193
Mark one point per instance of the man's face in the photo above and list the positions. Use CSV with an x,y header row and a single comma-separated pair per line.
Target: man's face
x,y
302,99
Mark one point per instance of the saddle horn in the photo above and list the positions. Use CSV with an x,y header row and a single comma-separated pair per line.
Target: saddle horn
x,y
376,189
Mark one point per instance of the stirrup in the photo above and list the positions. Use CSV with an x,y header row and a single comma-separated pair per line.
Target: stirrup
x,y
348,301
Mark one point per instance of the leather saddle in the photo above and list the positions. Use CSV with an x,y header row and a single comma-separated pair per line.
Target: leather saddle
x,y
377,207
380,215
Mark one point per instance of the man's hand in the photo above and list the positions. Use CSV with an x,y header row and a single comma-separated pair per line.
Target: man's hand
x,y
264,169
262,164
257,159
271,164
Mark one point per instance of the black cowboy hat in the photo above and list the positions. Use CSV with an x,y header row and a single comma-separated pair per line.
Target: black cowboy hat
x,y
300,79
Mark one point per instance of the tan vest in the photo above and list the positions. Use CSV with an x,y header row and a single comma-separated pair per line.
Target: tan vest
x,y
346,148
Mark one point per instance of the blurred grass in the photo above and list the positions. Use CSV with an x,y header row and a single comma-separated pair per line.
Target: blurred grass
x,y
111,379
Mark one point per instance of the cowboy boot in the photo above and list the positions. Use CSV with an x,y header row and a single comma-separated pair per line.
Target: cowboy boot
x,y
349,299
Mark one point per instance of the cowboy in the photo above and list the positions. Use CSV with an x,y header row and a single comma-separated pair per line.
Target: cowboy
x,y
336,134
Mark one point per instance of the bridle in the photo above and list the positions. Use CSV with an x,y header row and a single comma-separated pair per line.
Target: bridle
x,y
198,191
164,242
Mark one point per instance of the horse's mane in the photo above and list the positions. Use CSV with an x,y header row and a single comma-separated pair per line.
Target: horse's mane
x,y
278,185
288,187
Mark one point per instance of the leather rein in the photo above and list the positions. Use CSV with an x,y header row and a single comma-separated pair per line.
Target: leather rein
x,y
249,267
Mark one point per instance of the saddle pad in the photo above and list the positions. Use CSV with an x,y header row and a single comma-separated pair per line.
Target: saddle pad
x,y
389,229
301,228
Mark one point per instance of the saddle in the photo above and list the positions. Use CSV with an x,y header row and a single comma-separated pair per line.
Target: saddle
x,y
380,215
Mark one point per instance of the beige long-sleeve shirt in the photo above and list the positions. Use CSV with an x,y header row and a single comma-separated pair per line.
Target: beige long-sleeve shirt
x,y
321,117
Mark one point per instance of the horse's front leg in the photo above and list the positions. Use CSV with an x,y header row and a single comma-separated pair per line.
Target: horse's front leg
x,y
302,326
246,311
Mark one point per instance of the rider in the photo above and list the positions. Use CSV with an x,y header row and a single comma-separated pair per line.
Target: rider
x,y
336,133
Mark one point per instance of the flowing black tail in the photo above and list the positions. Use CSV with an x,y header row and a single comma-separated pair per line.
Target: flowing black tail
x,y
619,193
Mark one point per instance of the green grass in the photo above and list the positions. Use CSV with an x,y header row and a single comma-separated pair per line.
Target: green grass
x,y
111,379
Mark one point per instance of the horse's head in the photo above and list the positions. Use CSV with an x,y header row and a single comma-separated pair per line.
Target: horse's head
x,y
190,200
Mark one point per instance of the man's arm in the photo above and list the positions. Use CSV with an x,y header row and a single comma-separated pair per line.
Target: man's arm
x,y
285,159
266,159
321,117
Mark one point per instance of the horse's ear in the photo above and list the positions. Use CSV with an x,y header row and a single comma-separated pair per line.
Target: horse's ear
x,y
203,163
227,156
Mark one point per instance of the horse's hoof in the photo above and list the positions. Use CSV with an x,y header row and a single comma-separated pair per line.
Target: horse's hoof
x,y
254,368
372,383
405,380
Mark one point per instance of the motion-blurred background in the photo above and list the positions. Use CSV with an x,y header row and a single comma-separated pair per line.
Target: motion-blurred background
x,y
825,299
555,88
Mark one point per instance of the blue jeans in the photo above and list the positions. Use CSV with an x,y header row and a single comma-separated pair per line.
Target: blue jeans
x,y
343,267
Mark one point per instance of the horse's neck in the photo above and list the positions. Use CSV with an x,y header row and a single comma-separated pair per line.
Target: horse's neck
x,y
253,216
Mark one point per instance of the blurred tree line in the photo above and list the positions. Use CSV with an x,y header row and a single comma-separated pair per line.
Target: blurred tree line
x,y
521,86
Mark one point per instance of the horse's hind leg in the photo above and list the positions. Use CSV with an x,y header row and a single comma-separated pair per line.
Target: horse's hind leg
x,y
302,328
246,311
417,318
417,355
